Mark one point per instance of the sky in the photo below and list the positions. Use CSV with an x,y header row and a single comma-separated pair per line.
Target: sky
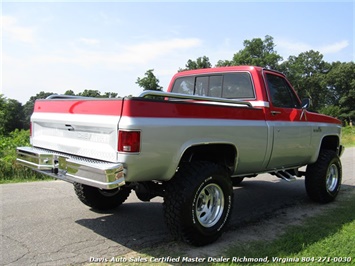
x,y
57,46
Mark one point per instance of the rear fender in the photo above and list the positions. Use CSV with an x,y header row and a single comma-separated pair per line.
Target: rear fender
x,y
224,153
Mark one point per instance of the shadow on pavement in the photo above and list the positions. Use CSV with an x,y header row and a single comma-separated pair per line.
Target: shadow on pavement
x,y
140,226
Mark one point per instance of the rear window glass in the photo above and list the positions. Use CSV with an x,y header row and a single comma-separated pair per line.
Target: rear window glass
x,y
237,85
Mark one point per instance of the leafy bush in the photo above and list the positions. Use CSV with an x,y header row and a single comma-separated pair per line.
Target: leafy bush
x,y
10,171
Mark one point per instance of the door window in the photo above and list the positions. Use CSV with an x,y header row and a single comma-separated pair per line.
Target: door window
x,y
281,93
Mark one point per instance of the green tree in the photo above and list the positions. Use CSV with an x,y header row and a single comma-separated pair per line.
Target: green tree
x,y
201,62
14,116
69,92
110,95
149,82
224,63
11,115
332,110
256,52
307,73
340,82
90,93
2,114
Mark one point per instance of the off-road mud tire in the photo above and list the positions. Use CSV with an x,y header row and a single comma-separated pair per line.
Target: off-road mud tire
x,y
99,199
199,190
323,178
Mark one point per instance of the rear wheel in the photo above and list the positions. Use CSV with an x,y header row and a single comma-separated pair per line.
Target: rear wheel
x,y
198,202
101,199
323,178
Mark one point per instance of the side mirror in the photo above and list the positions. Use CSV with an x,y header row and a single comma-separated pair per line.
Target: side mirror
x,y
306,103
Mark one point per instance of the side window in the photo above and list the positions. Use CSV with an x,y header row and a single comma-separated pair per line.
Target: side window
x,y
215,87
184,85
237,86
281,93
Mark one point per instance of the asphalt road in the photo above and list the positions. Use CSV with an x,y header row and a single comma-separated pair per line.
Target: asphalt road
x,y
43,223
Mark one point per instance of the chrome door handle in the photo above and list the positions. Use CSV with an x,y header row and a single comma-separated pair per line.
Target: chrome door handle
x,y
275,112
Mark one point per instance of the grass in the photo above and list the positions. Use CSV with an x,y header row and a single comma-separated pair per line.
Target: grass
x,y
10,171
348,136
326,238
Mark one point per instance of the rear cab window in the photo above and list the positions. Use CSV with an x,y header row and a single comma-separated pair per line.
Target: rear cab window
x,y
233,85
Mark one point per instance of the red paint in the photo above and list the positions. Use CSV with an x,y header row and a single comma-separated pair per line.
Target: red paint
x,y
191,109
87,107
148,108
315,117
171,109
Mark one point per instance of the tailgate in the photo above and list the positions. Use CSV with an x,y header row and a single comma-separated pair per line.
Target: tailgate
x,y
86,128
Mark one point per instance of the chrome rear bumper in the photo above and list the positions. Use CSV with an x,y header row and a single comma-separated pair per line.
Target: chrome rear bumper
x,y
72,169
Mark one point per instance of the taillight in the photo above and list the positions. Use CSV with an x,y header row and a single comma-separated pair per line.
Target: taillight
x,y
129,141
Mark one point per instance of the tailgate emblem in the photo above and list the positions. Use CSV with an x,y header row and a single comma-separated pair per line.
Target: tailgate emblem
x,y
69,127
83,135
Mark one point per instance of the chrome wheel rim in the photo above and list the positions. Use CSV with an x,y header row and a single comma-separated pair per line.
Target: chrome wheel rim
x,y
210,205
332,178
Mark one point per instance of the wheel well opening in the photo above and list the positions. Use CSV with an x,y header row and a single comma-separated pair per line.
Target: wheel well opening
x,y
330,143
224,154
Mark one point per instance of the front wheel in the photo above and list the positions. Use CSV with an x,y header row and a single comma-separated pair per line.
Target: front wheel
x,y
323,178
198,202
101,199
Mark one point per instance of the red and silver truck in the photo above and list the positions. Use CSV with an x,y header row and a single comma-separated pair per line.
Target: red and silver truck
x,y
190,145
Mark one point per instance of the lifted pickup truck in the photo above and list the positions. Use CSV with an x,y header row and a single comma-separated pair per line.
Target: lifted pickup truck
x,y
190,145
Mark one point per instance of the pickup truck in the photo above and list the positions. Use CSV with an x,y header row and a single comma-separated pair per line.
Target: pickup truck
x,y
190,145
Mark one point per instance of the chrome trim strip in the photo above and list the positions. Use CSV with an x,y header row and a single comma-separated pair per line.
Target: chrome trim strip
x,y
260,104
192,97
103,175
